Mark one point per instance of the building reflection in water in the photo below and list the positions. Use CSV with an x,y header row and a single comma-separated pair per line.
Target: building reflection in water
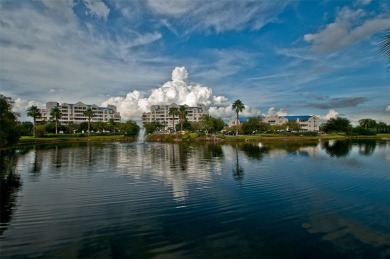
x,y
175,164
178,165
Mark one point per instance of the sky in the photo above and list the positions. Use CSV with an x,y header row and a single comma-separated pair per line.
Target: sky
x,y
278,57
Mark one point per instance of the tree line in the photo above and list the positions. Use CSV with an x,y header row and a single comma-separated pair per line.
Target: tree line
x,y
11,129
366,126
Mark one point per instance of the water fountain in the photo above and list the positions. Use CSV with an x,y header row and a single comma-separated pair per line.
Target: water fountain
x,y
141,135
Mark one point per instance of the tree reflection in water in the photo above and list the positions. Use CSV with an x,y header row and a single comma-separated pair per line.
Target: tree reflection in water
x,y
57,161
367,147
238,171
212,151
337,148
10,184
254,150
342,148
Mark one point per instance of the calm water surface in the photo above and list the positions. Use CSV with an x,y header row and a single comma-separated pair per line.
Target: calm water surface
x,y
130,200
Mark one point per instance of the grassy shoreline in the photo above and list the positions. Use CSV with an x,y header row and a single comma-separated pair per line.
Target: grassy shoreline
x,y
25,140
300,138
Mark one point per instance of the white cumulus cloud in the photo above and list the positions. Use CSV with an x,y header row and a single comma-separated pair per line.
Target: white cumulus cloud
x,y
331,114
177,90
281,112
20,106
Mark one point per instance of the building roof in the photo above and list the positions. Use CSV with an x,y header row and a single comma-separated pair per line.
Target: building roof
x,y
300,117
243,119
240,119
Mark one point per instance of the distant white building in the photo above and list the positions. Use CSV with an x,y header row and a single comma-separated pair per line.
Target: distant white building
x,y
235,122
75,112
160,113
306,122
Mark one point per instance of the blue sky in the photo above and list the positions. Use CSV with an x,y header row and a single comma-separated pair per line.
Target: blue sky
x,y
284,57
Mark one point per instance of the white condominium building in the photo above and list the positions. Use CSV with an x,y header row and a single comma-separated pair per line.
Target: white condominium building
x,y
306,122
75,112
160,113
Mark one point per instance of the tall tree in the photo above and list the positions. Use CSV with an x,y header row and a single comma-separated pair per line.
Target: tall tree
x,y
173,111
292,126
206,123
89,114
71,127
250,126
238,106
34,112
385,46
99,126
367,123
111,125
25,128
153,126
210,124
9,130
382,127
182,112
56,114
338,124
129,128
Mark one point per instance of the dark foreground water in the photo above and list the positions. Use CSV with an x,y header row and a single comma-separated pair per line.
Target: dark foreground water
x,y
128,200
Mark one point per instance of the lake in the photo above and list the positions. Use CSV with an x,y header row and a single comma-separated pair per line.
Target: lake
x,y
321,199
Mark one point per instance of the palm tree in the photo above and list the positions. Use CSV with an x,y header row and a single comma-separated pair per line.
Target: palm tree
x,y
89,114
238,106
173,111
385,46
182,112
34,112
56,114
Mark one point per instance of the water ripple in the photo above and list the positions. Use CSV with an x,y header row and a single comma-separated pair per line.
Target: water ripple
x,y
187,200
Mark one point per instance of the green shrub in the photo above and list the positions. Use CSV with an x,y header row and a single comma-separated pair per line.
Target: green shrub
x,y
40,131
309,134
193,135
220,135
361,131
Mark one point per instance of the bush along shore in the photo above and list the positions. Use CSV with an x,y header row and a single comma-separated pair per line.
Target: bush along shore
x,y
195,137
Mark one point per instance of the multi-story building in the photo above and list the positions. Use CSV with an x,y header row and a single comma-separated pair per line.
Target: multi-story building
x,y
306,122
75,112
160,113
